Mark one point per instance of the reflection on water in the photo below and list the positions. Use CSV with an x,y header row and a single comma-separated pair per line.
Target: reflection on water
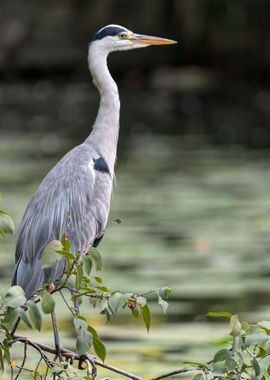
x,y
197,221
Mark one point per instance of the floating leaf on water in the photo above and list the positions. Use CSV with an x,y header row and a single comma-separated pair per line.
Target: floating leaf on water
x,y
115,222
6,224
224,314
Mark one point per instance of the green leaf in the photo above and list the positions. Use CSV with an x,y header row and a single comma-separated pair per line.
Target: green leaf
x,y
34,314
140,300
15,297
163,304
2,366
230,364
96,259
265,325
219,314
266,346
256,366
117,300
65,241
3,336
255,339
80,323
67,254
115,222
99,348
6,348
92,331
6,224
50,257
47,302
84,337
146,316
11,316
222,355
199,376
164,292
79,276
24,317
71,280
87,264
135,313
83,343
102,288
235,326
197,364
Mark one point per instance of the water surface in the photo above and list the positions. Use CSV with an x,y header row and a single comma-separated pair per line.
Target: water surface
x,y
196,220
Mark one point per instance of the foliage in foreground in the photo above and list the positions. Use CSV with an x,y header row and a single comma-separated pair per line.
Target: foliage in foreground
x,y
245,353
80,283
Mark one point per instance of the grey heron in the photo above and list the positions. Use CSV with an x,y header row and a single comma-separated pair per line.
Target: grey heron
x,y
74,197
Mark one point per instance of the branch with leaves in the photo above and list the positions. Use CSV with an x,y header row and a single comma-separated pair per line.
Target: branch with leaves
x,y
245,353
80,282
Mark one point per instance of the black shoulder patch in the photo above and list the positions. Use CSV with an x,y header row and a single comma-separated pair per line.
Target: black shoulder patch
x,y
101,165
108,31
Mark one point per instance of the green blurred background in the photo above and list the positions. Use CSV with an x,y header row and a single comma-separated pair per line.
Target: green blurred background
x,y
193,163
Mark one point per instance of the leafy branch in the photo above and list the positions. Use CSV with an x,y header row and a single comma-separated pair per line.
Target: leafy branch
x,y
245,353
81,282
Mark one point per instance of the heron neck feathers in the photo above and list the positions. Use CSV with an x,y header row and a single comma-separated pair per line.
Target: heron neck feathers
x,y
105,132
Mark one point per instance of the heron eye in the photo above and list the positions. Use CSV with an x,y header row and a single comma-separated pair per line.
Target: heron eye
x,y
122,35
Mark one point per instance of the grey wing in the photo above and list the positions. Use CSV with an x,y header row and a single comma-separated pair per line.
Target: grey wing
x,y
76,203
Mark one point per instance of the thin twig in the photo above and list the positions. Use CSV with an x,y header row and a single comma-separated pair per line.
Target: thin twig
x,y
35,345
169,374
23,362
64,299
36,369
25,369
70,355
15,326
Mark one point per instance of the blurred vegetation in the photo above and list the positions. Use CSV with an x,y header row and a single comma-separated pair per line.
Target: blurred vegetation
x,y
195,202
214,83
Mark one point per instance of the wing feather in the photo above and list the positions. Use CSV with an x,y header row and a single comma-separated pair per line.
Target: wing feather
x,y
74,199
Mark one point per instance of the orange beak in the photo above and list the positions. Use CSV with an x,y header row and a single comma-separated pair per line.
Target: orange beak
x,y
150,40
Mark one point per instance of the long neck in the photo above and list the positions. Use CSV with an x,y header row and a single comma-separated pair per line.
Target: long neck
x,y
105,132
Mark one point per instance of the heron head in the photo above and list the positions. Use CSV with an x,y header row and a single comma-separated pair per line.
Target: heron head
x,y
115,37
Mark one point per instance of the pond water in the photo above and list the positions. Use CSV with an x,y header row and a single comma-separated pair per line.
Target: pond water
x,y
195,220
